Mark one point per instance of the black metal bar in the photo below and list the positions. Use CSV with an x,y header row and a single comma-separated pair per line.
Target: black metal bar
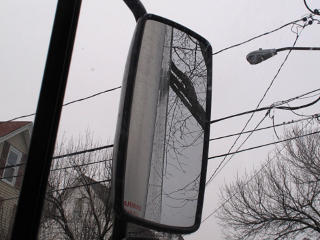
x,y
298,48
119,228
142,238
136,8
46,122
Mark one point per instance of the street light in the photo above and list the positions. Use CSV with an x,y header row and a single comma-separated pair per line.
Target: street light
x,y
261,55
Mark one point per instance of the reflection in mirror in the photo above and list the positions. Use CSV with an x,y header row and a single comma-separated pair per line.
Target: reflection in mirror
x,y
169,105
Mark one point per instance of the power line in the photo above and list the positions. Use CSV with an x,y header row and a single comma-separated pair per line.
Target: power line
x,y
226,201
65,155
264,145
217,170
109,146
254,175
260,146
81,165
108,180
78,186
59,169
264,109
91,96
264,128
112,89
213,121
257,107
224,165
301,96
68,103
258,36
66,188
12,166
299,136
221,162
83,151
215,53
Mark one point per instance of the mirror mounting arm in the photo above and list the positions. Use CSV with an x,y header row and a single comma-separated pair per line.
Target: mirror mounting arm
x,y
136,8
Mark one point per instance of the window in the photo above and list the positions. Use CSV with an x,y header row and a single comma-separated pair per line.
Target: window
x,y
11,170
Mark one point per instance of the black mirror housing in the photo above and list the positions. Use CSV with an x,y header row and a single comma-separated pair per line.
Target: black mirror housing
x,y
162,137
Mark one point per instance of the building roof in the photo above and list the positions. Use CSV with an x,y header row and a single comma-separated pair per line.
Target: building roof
x,y
9,127
102,191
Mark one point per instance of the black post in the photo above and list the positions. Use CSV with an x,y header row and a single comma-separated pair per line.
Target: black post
x,y
119,231
136,8
46,122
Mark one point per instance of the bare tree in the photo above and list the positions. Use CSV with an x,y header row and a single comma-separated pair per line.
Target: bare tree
x,y
78,197
281,201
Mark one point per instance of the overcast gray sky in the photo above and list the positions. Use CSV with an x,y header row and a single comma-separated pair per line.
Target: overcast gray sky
x,y
102,41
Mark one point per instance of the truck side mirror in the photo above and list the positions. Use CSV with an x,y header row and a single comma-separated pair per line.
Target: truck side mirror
x,y
161,144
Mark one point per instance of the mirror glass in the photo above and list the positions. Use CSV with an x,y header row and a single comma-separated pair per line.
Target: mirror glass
x,y
166,130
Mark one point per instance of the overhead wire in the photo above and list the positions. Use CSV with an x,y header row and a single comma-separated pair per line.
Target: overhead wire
x,y
255,147
226,201
258,105
77,186
300,115
94,95
258,172
109,146
264,128
225,161
68,103
80,165
213,121
91,96
285,123
59,169
265,109
83,151
215,53
65,155
274,105
260,35
62,189
262,145
216,156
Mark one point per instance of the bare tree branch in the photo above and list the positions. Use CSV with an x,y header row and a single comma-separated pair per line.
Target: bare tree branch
x,y
280,202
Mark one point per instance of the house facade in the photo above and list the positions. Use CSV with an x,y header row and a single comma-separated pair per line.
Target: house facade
x,y
14,144
80,211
